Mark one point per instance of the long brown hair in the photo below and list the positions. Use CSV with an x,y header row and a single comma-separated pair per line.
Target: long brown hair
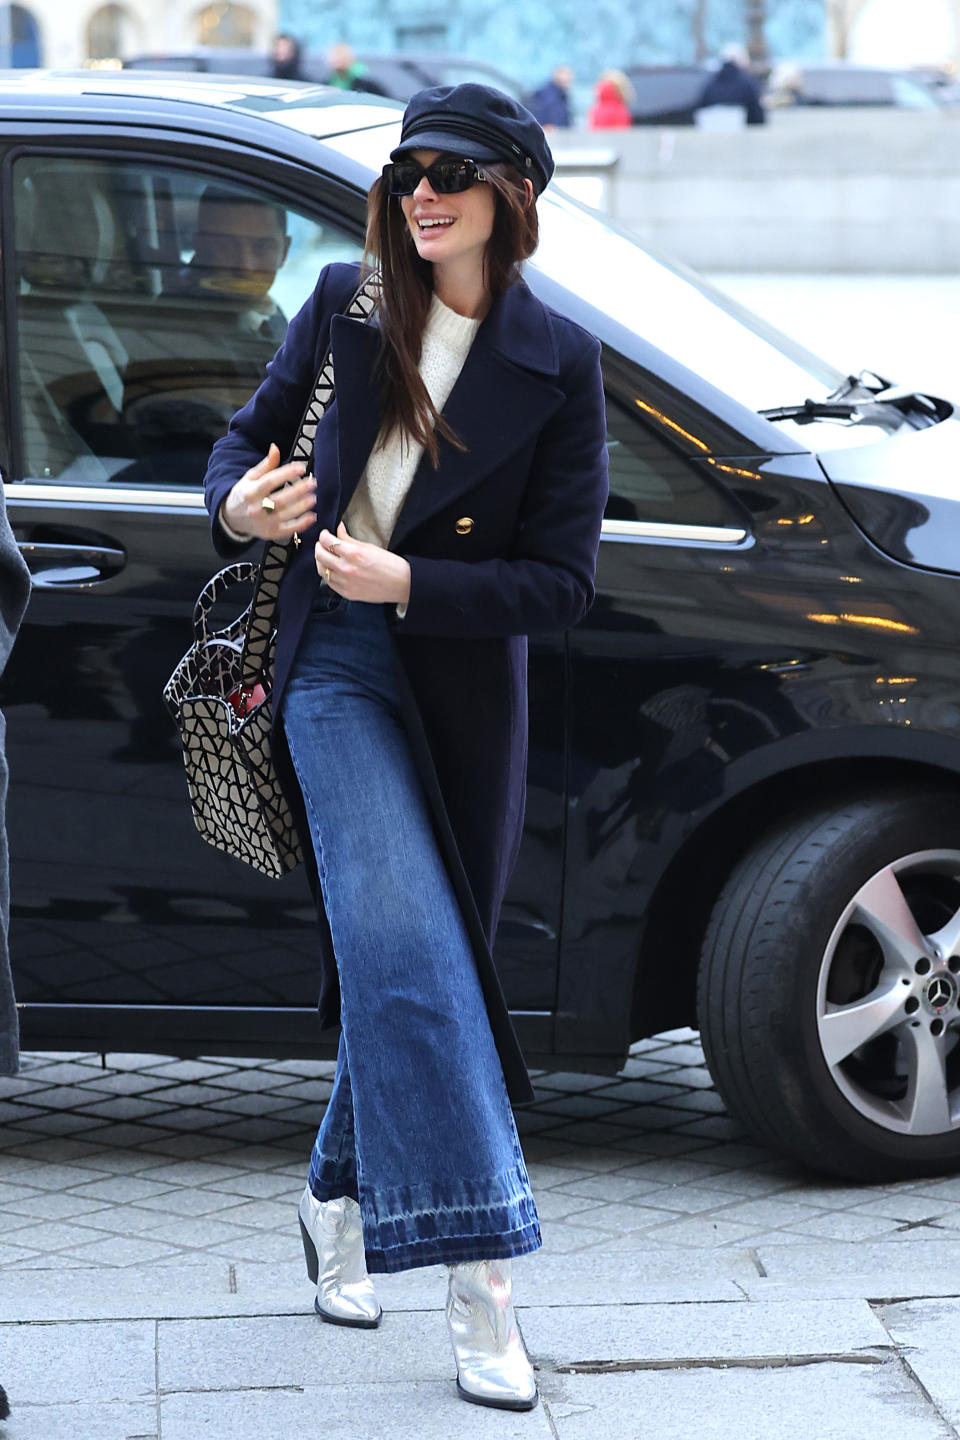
x,y
408,290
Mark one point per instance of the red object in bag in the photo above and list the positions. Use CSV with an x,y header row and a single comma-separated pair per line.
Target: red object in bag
x,y
244,701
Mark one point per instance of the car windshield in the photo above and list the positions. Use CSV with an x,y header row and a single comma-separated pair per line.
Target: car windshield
x,y
663,302
316,110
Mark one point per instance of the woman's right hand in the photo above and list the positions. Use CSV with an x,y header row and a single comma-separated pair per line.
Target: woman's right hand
x,y
293,494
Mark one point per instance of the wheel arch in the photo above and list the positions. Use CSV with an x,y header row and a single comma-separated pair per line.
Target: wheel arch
x,y
664,997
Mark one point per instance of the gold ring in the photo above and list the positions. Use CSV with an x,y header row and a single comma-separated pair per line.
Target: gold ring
x,y
328,577
267,504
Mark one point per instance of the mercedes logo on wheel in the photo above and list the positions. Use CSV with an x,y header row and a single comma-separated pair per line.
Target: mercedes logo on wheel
x,y
940,992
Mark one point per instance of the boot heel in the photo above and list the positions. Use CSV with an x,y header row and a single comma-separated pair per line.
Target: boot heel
x,y
310,1253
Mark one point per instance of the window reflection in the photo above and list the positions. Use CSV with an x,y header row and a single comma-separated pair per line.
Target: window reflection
x,y
149,300
649,479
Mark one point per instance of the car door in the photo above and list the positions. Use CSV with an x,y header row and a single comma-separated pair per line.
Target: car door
x,y
644,666
136,324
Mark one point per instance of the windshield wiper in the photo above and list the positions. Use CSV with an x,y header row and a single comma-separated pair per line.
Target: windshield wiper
x,y
881,403
870,411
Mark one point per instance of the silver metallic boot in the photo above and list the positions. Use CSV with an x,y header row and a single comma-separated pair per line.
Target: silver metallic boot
x,y
333,1245
493,1367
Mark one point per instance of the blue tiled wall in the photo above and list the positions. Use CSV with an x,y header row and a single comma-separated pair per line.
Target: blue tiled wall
x,y
527,38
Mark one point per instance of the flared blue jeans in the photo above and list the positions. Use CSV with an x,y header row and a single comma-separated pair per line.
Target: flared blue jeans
x,y
419,1128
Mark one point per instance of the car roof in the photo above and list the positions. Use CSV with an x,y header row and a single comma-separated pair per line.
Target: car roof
x,y
332,111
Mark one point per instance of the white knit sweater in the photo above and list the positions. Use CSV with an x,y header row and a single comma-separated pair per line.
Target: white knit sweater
x,y
382,489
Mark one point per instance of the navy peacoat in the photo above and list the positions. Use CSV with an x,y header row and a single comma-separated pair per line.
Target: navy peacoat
x,y
502,542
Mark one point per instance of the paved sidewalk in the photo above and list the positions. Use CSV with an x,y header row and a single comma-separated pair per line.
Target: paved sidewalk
x,y
152,1284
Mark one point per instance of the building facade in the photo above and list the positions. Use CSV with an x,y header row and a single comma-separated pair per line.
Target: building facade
x,y
528,38
61,33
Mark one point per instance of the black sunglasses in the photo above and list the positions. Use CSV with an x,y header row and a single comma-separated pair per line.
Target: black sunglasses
x,y
448,175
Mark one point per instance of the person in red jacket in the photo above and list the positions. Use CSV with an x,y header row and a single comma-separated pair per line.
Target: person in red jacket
x,y
609,110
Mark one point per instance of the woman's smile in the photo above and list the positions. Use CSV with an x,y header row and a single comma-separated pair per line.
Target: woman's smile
x,y
429,223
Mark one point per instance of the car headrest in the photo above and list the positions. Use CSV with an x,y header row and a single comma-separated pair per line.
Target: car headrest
x,y
65,231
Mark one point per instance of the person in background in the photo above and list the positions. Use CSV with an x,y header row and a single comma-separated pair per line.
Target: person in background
x,y
609,110
551,103
733,85
239,245
286,58
785,87
347,72
14,594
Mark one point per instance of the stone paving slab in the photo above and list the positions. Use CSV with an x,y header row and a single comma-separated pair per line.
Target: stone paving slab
x,y
81,1421
418,1410
674,1334
873,1271
267,1352
820,1401
929,1333
91,1362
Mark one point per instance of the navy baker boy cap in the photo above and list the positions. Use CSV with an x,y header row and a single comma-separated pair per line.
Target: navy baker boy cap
x,y
479,123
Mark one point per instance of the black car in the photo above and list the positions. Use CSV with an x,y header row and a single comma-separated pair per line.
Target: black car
x,y
744,764
666,94
398,75
851,86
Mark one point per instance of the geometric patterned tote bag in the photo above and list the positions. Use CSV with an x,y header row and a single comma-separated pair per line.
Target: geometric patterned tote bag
x,y
220,694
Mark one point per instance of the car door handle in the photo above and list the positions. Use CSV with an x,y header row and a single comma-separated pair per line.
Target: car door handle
x,y
52,565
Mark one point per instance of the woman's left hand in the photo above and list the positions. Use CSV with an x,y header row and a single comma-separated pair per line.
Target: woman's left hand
x,y
360,571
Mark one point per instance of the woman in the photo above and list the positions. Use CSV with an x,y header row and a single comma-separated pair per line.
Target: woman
x,y
455,506
610,108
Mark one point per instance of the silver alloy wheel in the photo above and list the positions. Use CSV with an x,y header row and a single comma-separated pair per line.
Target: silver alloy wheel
x,y
894,1050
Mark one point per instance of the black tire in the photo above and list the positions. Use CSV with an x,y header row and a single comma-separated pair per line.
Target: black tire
x,y
767,938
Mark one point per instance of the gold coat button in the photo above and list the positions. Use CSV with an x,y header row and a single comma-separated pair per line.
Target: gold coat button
x,y
464,525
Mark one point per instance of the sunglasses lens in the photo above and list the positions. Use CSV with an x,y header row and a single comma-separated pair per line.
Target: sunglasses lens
x,y
449,176
403,177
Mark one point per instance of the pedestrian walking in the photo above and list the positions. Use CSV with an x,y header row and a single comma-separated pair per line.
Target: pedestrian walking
x,y
732,87
286,57
349,73
454,508
610,108
551,103
14,594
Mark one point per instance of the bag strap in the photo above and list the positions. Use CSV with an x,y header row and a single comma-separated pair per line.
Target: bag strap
x,y
263,606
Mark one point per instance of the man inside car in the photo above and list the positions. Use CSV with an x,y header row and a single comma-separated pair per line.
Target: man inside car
x,y
239,244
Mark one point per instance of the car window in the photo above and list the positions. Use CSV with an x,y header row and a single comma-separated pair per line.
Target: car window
x,y
666,89
649,479
910,94
149,299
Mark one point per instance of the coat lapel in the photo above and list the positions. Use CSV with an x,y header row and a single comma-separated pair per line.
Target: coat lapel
x,y
505,392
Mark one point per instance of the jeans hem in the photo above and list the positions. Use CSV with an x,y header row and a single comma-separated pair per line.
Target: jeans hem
x,y
450,1250
332,1189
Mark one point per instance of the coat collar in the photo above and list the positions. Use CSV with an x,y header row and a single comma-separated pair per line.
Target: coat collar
x,y
509,373
518,328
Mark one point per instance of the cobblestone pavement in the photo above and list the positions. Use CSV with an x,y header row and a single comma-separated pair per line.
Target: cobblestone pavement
x,y
153,1286
150,1159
